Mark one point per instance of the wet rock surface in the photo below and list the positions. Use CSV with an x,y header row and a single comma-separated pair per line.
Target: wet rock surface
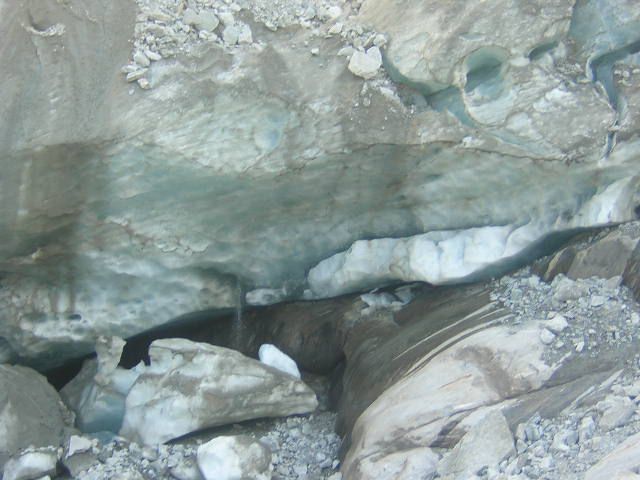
x,y
191,386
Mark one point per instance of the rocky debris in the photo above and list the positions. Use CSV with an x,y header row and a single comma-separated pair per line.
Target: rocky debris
x,y
117,458
31,412
32,464
607,322
234,457
190,386
611,254
97,394
270,355
587,337
165,28
287,446
304,446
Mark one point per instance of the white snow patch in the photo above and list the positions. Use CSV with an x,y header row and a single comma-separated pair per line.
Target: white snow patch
x,y
272,356
445,257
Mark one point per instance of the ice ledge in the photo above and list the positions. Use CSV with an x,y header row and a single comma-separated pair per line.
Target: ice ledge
x,y
444,257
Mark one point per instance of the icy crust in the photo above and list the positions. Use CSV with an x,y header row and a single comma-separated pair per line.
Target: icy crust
x,y
444,257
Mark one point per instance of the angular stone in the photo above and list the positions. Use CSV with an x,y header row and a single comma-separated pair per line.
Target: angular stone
x,y
235,457
31,464
231,34
31,412
190,386
616,412
557,324
78,455
366,64
546,336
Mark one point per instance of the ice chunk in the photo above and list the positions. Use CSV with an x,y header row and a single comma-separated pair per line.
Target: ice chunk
x,y
97,394
272,356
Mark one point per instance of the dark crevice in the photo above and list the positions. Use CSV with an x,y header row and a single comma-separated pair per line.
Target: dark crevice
x,y
450,100
602,70
60,376
485,74
541,50
602,73
209,326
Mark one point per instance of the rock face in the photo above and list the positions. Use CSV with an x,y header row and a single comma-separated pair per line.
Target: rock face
x,y
31,412
489,127
458,370
486,444
191,386
623,460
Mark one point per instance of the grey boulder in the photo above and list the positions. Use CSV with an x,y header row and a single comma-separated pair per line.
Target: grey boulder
x,y
190,386
31,412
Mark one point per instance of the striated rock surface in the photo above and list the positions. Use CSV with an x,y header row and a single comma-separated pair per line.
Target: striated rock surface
x,y
238,147
486,444
190,386
547,371
623,460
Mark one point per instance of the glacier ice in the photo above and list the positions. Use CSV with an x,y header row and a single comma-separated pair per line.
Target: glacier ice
x,y
97,394
272,356
445,257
